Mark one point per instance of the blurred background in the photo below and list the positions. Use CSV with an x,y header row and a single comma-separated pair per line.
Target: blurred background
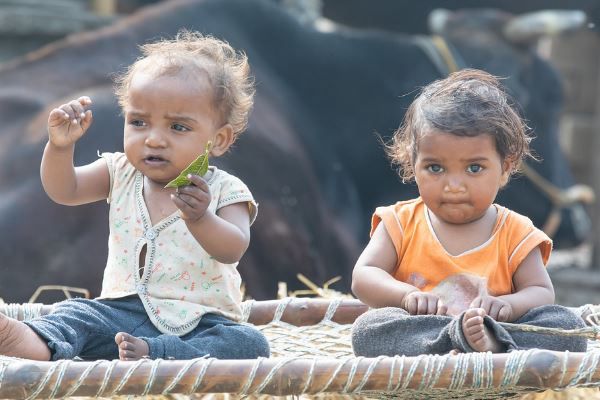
x,y
332,76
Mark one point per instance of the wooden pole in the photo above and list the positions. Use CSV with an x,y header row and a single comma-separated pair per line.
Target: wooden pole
x,y
306,311
299,312
281,376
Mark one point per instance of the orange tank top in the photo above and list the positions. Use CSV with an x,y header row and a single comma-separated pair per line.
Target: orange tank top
x,y
423,261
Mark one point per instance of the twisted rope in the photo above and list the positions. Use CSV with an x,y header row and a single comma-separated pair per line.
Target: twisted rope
x,y
514,367
290,342
589,332
429,368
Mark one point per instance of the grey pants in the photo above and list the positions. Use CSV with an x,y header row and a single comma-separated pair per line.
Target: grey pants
x,y
87,328
392,331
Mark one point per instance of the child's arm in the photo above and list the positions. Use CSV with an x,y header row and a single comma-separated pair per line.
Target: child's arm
x,y
533,288
64,183
374,285
224,235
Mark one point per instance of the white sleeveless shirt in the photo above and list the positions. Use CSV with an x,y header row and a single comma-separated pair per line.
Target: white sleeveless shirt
x,y
180,280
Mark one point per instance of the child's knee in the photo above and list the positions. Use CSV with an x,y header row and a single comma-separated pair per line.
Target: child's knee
x,y
372,332
554,315
560,317
378,317
252,343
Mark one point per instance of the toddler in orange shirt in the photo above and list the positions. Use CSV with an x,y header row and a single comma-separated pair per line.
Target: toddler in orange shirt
x,y
442,270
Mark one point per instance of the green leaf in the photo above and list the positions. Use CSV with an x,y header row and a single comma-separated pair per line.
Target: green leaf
x,y
198,167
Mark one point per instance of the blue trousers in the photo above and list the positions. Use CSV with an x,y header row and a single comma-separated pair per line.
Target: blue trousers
x,y
86,328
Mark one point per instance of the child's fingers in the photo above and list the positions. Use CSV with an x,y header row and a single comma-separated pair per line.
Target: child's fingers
x,y
432,306
191,208
78,111
68,110
84,101
86,121
196,192
476,303
185,208
487,306
422,306
193,201
442,309
199,182
182,202
411,305
57,117
75,110
504,314
494,310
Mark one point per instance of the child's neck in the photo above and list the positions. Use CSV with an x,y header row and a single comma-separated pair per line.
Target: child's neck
x,y
158,200
459,238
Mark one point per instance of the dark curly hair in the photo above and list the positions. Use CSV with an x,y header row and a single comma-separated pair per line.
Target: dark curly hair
x,y
469,102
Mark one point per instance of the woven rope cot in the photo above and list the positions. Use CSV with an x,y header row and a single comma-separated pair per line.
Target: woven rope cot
x,y
311,355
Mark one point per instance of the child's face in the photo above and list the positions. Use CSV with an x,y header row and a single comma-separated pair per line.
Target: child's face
x,y
458,177
168,121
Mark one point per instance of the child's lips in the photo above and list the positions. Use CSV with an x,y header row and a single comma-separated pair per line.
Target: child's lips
x,y
154,160
454,201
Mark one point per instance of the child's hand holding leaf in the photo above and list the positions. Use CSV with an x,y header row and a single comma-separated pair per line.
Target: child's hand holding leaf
x,y
193,194
193,199
198,167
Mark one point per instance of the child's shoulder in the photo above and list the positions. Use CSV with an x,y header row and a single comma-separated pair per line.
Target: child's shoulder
x,y
220,177
513,219
401,211
117,163
522,236
227,184
230,189
519,227
418,201
402,206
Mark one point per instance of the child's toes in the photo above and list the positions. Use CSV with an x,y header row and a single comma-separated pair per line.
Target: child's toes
x,y
126,355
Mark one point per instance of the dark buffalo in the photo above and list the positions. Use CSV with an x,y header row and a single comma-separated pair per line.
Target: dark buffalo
x,y
310,156
410,16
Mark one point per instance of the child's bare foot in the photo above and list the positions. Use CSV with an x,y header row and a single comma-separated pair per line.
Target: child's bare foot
x,y
130,347
477,334
19,340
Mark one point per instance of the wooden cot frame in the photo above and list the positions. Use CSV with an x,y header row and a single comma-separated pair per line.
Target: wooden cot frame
x,y
477,374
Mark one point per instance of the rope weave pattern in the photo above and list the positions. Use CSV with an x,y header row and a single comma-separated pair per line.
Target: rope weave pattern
x,y
326,339
586,371
470,376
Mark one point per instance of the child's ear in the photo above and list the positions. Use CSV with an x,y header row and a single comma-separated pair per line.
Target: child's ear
x,y
222,140
507,168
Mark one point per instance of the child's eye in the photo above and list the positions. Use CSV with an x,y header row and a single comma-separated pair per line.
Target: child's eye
x,y
179,128
137,122
435,168
474,168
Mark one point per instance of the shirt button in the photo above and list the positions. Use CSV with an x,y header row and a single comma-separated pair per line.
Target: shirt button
x,y
150,234
140,288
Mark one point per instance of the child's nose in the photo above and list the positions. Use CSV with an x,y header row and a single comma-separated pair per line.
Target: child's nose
x,y
454,184
155,138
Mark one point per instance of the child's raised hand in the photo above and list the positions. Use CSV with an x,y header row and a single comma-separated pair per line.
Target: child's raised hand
x,y
192,200
423,303
496,308
67,123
